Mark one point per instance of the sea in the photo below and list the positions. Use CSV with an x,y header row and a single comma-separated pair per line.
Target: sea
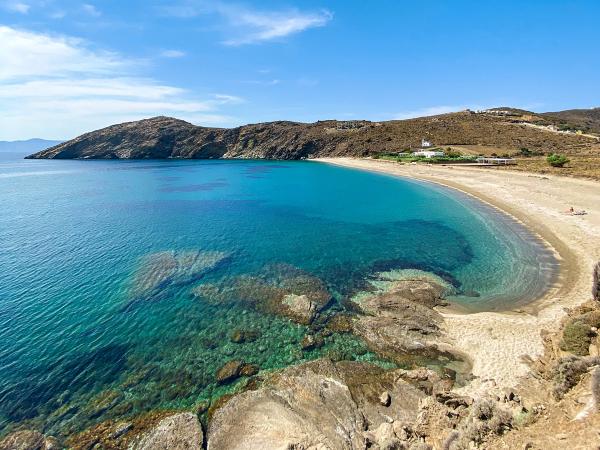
x,y
122,282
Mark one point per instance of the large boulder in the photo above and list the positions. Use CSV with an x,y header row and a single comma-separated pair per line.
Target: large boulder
x,y
402,319
28,440
177,432
316,405
302,407
299,308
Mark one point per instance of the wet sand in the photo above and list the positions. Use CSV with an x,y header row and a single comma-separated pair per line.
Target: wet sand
x,y
499,343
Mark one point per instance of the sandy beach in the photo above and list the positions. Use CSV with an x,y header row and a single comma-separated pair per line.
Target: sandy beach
x,y
498,343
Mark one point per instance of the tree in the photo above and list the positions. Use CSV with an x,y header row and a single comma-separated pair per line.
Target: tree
x,y
556,160
451,153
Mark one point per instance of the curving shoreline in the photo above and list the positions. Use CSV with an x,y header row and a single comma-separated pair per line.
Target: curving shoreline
x,y
499,343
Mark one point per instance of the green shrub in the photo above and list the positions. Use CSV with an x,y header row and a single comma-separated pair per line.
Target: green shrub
x,y
556,160
576,338
450,153
485,418
568,372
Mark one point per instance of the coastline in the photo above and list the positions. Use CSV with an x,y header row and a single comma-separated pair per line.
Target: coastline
x,y
499,344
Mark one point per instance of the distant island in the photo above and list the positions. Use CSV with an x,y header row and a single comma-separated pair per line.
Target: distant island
x,y
27,146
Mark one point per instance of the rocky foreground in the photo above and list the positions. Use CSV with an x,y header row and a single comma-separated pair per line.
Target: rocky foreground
x,y
505,130
324,404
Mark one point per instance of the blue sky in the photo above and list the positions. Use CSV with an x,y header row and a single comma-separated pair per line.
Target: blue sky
x,y
68,67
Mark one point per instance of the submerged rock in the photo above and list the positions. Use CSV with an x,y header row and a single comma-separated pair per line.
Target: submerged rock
x,y
241,336
279,289
235,369
311,341
163,269
229,371
177,432
28,440
299,308
340,323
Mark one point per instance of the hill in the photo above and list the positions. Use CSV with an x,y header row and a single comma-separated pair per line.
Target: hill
x,y
585,119
498,130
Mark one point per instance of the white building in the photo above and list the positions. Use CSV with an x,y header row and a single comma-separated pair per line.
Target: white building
x,y
428,153
425,143
496,161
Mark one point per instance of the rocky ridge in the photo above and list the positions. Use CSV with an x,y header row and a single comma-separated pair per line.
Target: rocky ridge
x,y
165,137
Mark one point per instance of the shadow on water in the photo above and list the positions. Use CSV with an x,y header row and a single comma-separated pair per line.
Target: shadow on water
x,y
445,251
70,374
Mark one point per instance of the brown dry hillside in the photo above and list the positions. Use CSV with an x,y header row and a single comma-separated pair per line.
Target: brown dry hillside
x,y
501,130
587,120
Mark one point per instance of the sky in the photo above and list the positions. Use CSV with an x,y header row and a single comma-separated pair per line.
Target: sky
x,y
69,67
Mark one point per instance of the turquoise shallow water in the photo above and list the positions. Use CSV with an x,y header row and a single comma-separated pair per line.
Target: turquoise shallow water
x,y
75,345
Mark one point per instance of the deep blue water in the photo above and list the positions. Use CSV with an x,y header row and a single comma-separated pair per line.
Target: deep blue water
x,y
75,345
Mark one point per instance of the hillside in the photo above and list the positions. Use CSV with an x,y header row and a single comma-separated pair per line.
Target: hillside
x,y
503,129
584,119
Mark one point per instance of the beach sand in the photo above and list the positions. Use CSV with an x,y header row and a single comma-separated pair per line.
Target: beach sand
x,y
498,343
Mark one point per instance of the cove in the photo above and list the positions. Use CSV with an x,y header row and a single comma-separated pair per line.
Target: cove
x,y
92,327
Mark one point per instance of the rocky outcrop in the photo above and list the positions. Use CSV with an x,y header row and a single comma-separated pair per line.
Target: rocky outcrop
x,y
177,432
402,319
165,137
28,440
279,289
314,405
301,409
345,405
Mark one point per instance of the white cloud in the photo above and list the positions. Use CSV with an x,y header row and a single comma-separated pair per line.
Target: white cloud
x,y
91,10
59,87
254,26
172,54
16,7
248,26
225,98
26,54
